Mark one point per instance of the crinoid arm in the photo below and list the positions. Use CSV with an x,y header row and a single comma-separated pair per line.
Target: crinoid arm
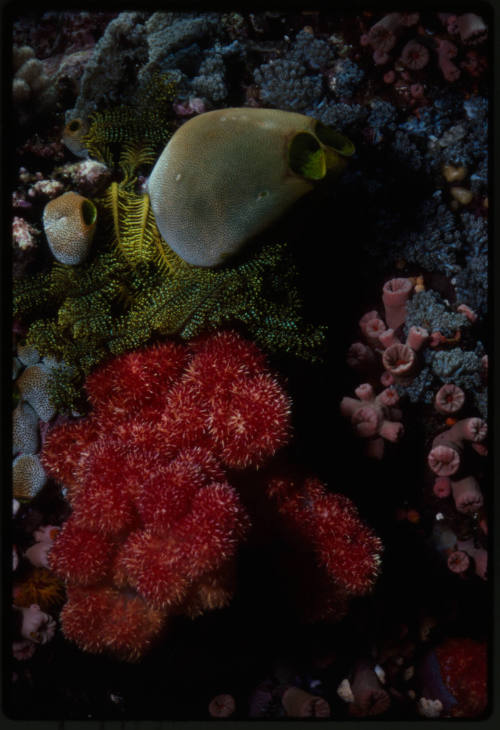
x,y
194,300
134,234
127,136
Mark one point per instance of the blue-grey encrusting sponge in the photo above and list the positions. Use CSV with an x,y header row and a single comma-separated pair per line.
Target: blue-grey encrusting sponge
x,y
226,175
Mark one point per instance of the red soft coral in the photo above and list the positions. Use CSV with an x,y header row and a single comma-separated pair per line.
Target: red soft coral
x,y
81,555
162,567
134,379
154,566
464,669
156,525
328,526
103,506
213,529
184,420
167,496
64,448
105,619
250,421
220,359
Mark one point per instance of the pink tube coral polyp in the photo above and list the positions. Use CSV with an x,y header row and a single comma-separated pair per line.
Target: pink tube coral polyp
x,y
446,51
374,417
395,294
472,28
417,337
445,456
467,495
449,399
444,460
367,421
360,356
399,360
414,56
442,487
458,561
372,329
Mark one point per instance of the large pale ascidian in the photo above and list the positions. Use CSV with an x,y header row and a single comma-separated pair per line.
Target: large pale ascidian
x,y
226,175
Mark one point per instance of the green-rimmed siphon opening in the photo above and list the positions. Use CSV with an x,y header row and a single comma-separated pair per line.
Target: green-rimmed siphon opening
x,y
74,125
337,141
306,157
89,212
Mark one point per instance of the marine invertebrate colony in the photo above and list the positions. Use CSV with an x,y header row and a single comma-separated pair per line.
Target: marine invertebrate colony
x,y
134,286
28,476
106,307
160,535
161,475
445,455
374,417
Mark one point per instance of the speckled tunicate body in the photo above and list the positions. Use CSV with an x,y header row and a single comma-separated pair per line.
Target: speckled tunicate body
x,y
28,476
69,223
33,385
226,175
25,437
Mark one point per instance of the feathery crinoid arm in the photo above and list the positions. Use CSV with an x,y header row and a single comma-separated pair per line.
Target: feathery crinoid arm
x,y
133,231
39,294
260,293
105,306
135,154
131,135
81,303
30,294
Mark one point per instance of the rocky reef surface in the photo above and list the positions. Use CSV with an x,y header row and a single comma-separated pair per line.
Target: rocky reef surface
x,y
261,489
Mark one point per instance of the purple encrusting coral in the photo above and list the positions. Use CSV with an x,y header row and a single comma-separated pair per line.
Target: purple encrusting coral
x,y
394,421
